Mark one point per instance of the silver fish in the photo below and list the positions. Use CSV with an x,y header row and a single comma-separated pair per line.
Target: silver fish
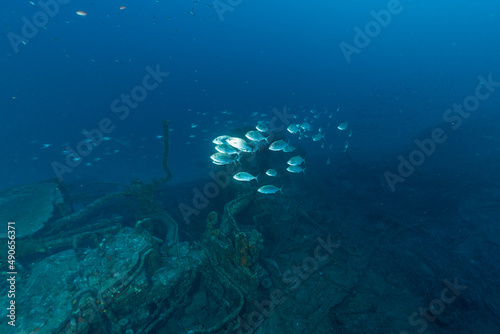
x,y
269,189
256,136
293,128
223,158
220,140
271,172
296,169
296,161
225,148
278,145
318,137
306,126
262,126
244,176
289,148
342,126
239,143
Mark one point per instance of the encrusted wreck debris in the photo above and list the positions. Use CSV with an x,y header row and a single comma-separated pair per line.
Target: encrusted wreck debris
x,y
30,206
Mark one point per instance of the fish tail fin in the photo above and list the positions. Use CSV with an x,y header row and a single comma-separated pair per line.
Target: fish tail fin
x,y
304,170
257,178
281,190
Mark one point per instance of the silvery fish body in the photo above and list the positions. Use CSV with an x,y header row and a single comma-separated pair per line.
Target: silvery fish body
x,y
269,189
271,172
296,169
239,143
278,145
293,128
296,161
225,148
222,158
318,137
255,136
342,126
220,140
244,176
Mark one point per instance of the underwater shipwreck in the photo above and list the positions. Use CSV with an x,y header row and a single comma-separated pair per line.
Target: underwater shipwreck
x,y
113,259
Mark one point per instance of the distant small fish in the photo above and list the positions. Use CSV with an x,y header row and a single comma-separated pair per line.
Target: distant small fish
x,y
350,133
271,172
296,161
262,126
81,13
46,145
342,126
244,176
278,145
122,7
193,125
293,128
289,148
328,161
346,146
296,169
269,189
306,126
318,137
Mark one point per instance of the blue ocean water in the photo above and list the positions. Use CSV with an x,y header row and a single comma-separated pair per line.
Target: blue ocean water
x,y
418,83
252,57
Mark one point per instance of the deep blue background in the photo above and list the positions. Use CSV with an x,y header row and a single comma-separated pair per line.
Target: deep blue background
x,y
263,55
